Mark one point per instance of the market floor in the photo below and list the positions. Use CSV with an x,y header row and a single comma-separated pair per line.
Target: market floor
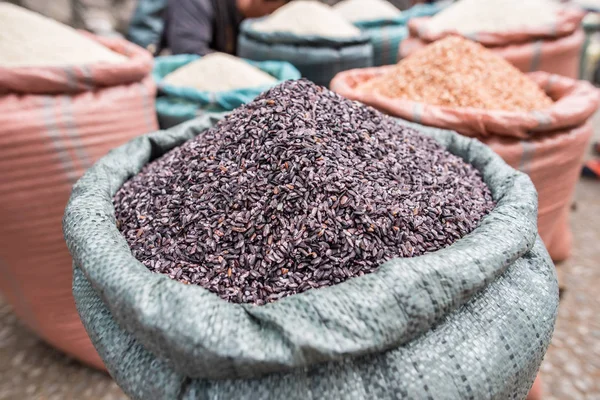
x,y
29,369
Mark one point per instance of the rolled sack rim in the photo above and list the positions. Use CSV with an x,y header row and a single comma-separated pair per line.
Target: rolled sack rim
x,y
73,79
568,20
575,102
363,315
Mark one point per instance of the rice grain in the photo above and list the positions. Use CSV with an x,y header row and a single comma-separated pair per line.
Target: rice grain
x,y
297,190
366,10
217,72
28,39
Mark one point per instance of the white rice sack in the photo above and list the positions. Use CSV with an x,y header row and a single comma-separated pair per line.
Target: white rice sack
x,y
366,10
28,39
471,16
217,72
305,18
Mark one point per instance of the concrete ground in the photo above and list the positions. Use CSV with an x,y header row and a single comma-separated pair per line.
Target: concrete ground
x,y
571,369
29,369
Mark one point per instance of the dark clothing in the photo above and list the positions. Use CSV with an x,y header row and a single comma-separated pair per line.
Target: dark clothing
x,y
202,26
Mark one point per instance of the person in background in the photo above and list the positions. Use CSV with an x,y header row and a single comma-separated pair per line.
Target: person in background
x,y
204,26
194,26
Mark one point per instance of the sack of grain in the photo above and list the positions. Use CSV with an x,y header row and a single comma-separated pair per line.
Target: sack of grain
x,y
369,10
533,35
189,85
309,35
386,33
62,106
499,22
473,318
556,56
546,142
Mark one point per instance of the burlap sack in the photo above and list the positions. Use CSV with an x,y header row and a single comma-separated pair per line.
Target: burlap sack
x,y
54,123
548,144
472,320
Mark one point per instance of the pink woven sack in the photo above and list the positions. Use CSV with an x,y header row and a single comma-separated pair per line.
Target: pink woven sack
x,y
568,20
561,56
54,123
555,49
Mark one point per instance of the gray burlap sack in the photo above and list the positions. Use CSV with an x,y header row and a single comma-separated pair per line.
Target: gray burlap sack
x,y
317,58
470,321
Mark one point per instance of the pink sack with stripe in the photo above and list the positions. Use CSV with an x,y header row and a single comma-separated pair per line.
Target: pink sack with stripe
x,y
54,123
548,145
554,49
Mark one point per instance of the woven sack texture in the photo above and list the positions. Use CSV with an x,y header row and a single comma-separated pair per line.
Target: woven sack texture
x,y
556,52
178,104
548,145
469,321
317,58
54,123
568,20
387,34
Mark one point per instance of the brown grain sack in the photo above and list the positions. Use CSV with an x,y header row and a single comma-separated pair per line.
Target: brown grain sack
x,y
457,72
559,56
54,123
548,144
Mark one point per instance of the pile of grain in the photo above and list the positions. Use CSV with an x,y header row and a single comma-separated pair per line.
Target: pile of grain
x,y
366,10
296,190
28,39
307,18
471,16
457,72
217,72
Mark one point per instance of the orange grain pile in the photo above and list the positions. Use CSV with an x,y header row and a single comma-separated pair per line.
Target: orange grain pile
x,y
457,72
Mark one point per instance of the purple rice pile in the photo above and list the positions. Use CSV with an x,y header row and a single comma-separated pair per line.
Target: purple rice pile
x,y
299,189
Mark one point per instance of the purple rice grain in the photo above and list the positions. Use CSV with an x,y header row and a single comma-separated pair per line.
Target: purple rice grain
x,y
297,190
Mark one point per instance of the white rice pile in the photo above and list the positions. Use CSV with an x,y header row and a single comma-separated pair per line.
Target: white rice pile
x,y
217,72
28,39
366,10
305,18
471,16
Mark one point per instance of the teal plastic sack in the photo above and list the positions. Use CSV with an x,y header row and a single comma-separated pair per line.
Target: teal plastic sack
x,y
178,104
387,34
317,58
470,321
